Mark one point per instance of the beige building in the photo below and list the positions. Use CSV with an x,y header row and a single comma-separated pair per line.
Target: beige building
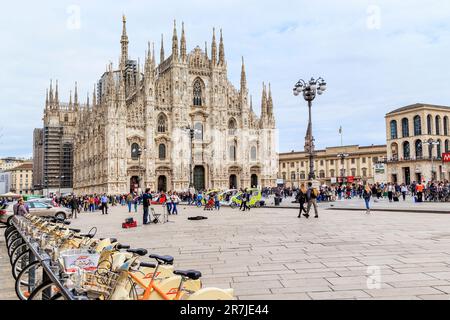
x,y
408,129
22,178
9,163
132,134
332,165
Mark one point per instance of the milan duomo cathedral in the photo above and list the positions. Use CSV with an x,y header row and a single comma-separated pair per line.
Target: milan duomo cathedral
x,y
166,127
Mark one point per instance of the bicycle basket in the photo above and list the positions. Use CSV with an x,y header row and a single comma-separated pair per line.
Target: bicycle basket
x,y
99,284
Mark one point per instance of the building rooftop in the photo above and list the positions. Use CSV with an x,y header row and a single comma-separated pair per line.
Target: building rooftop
x,y
336,148
418,106
25,166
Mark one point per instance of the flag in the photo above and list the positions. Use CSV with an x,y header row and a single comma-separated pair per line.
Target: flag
x,y
340,129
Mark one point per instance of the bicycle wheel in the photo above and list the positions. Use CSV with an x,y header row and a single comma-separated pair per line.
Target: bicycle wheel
x,y
14,244
22,261
46,291
17,251
8,230
28,280
11,237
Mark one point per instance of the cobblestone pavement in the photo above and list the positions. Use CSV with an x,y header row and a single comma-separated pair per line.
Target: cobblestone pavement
x,y
378,204
271,254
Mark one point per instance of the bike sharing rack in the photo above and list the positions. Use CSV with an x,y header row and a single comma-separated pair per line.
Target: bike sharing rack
x,y
51,269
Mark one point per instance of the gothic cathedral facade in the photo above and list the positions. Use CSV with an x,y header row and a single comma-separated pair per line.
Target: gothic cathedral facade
x,y
170,126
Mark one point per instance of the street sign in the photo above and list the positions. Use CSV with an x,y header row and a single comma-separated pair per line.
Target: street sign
x,y
446,157
333,180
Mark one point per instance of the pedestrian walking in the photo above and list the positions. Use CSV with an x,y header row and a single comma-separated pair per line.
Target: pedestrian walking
x,y
216,202
175,200
367,195
311,197
301,198
244,198
135,202
104,204
74,205
129,202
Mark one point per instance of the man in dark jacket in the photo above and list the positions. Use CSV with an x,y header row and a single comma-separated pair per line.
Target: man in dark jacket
x,y
74,205
146,201
311,197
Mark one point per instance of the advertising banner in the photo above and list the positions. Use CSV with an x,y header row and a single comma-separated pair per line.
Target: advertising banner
x,y
446,157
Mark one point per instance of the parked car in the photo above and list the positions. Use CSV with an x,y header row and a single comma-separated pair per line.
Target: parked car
x,y
36,208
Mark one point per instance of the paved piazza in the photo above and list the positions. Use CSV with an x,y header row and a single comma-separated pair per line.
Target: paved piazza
x,y
271,254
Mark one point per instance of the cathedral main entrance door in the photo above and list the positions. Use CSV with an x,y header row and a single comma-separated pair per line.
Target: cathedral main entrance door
x,y
199,178
254,182
233,181
134,184
162,183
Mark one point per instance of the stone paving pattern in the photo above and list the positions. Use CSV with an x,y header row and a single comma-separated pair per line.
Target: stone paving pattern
x,y
268,254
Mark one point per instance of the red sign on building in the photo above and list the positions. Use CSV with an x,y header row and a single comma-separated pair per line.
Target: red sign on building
x,y
350,179
446,157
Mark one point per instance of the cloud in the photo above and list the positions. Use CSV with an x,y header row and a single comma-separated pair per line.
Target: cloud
x,y
369,70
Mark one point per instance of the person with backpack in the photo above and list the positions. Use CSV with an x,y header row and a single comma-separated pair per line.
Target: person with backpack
x,y
301,198
311,197
367,194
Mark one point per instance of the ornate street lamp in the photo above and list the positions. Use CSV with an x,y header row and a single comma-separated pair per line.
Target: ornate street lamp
x,y
138,152
192,133
309,90
431,143
342,156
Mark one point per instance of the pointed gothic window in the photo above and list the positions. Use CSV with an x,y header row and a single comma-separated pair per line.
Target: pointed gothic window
x,y
253,153
197,93
135,151
162,123
232,127
162,151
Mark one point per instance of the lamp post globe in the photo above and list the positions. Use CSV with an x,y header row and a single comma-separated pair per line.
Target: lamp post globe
x,y
309,90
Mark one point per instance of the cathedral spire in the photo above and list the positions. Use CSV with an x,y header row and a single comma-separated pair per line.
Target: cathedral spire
x,y
162,50
46,98
70,100
243,77
153,55
94,98
51,93
175,42
214,49
87,101
251,103
76,95
56,94
264,103
270,103
124,44
183,43
221,50
206,49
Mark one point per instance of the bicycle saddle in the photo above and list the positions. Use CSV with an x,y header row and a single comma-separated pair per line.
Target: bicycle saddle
x,y
147,265
112,240
162,259
191,274
140,252
86,235
75,230
122,246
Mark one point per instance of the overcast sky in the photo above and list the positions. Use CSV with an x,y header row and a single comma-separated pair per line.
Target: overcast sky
x,y
375,56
